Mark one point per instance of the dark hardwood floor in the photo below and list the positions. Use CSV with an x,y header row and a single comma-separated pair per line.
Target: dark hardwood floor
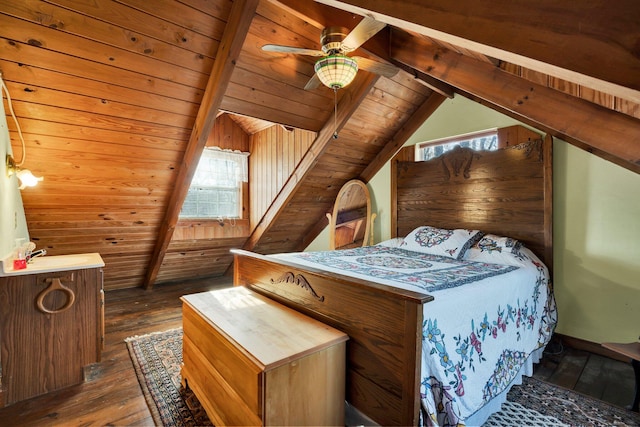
x,y
112,396
608,379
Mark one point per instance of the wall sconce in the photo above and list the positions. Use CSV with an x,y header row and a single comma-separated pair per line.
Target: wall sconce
x,y
27,179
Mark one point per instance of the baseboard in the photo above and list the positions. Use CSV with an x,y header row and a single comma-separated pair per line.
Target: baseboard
x,y
591,347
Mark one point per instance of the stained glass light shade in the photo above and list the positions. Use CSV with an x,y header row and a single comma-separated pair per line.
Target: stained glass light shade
x,y
336,71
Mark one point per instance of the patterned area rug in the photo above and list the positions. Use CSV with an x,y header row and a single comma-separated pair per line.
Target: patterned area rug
x,y
566,406
157,359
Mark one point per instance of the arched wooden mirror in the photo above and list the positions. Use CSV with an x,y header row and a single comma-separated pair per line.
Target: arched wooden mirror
x,y
350,224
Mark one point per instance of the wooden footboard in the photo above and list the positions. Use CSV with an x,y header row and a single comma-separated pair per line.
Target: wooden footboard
x,y
384,325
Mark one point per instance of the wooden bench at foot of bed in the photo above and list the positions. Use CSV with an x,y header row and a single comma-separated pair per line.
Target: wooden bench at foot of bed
x,y
252,361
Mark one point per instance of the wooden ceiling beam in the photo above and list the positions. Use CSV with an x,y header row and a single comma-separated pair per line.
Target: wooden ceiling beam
x,y
432,83
605,132
414,122
309,11
235,32
354,95
590,42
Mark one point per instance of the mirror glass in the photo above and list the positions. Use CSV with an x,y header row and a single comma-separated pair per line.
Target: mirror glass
x,y
351,219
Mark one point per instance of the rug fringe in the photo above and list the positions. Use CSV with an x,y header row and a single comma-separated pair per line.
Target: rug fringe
x,y
150,334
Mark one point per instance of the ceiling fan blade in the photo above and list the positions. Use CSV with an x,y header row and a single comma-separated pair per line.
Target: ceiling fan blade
x,y
313,83
386,70
366,29
290,49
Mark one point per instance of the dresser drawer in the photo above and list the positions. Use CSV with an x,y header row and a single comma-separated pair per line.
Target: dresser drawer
x,y
221,401
232,365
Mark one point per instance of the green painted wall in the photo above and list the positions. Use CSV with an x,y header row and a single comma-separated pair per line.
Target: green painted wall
x,y
596,246
13,223
596,228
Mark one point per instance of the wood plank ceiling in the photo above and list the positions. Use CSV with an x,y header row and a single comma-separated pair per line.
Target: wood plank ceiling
x,y
116,100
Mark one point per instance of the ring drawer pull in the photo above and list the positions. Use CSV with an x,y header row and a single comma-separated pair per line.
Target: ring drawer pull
x,y
55,285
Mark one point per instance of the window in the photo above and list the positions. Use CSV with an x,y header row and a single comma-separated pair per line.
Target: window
x,y
216,188
481,141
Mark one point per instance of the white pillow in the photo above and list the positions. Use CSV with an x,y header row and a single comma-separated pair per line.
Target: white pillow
x,y
440,241
504,258
392,243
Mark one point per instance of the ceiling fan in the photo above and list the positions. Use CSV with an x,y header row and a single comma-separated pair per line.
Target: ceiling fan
x,y
336,70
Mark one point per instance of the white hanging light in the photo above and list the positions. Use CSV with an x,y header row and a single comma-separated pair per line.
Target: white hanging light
x,y
336,71
27,179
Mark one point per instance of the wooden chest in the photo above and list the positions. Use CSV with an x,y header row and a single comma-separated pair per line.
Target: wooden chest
x,y
253,361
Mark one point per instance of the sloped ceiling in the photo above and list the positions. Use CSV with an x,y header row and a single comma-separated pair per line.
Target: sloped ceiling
x,y
591,48
116,100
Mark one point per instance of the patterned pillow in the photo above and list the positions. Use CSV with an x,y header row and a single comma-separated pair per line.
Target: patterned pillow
x,y
496,250
493,243
440,241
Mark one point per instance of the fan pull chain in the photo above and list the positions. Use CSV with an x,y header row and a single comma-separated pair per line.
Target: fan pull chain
x,y
335,113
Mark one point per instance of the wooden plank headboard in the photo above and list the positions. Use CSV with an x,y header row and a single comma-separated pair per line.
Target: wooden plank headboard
x,y
506,192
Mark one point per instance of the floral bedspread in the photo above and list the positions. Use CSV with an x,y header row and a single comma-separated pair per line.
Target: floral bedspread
x,y
484,323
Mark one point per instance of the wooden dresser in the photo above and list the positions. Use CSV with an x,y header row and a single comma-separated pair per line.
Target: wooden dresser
x,y
253,361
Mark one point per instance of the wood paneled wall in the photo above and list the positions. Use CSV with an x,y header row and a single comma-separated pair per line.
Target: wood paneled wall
x,y
275,153
228,135
197,258
606,100
200,248
106,94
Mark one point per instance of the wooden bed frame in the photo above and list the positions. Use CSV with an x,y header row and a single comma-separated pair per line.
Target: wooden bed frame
x,y
507,192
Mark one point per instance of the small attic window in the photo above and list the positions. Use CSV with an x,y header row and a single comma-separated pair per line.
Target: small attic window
x,y
216,188
479,141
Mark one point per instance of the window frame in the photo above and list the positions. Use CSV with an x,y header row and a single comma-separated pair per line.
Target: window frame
x,y
242,197
453,140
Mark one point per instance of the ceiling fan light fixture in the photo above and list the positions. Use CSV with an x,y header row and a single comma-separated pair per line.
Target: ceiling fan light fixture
x,y
336,71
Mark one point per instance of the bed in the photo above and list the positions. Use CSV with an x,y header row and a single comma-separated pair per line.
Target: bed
x,y
405,363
